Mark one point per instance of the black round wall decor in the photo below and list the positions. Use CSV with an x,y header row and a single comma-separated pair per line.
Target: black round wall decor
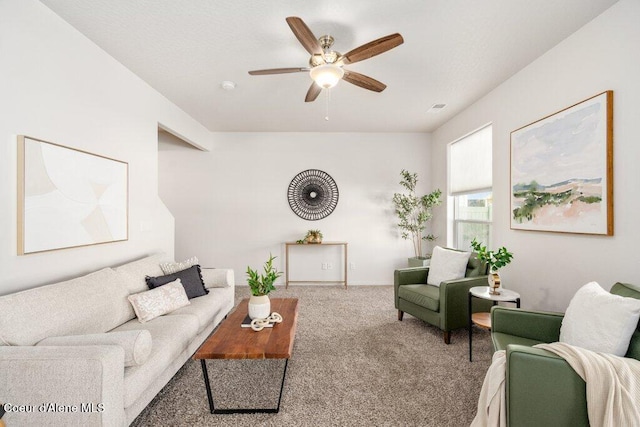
x,y
312,194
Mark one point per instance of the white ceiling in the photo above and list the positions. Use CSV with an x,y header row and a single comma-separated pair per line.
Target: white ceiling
x,y
455,52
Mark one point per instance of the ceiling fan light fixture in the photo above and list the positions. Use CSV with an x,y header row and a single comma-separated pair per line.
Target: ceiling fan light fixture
x,y
326,75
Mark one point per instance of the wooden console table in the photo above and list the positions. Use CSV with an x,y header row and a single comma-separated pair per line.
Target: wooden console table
x,y
288,244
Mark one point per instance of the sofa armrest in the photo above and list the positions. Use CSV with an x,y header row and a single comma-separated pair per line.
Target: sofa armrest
x,y
217,277
454,301
71,386
536,325
408,276
543,389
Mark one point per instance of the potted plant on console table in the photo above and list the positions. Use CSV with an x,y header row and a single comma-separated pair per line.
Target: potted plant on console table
x,y
261,285
414,212
496,260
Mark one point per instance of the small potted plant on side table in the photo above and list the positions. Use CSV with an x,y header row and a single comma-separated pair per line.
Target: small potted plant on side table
x,y
496,260
261,285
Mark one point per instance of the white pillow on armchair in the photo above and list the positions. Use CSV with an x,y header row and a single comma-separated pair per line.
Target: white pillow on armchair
x,y
447,264
600,321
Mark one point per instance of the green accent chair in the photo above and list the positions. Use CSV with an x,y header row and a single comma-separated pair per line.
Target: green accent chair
x,y
445,307
541,388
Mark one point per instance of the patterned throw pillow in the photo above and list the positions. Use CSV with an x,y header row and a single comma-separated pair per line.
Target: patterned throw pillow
x,y
174,267
156,302
191,279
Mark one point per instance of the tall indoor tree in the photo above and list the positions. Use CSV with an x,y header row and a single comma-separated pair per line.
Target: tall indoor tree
x,y
414,212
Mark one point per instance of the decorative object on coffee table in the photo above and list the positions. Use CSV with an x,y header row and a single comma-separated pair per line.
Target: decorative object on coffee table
x,y
261,285
259,324
312,194
414,212
495,260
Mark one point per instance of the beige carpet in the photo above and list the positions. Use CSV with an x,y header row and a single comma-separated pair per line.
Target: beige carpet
x,y
353,364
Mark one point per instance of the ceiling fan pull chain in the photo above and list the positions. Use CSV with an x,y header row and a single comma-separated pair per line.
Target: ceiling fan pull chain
x,y
326,117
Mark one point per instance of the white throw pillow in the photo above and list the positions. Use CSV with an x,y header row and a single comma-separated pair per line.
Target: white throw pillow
x,y
447,265
136,343
161,300
600,321
217,277
174,267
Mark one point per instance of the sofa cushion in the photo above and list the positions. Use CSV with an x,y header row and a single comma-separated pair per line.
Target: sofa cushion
x,y
427,296
134,272
85,305
447,264
136,344
600,321
190,278
171,335
204,308
156,302
174,267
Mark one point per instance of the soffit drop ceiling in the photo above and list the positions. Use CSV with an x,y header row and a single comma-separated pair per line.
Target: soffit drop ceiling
x,y
455,52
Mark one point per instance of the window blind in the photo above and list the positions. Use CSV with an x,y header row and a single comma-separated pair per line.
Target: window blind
x,y
470,166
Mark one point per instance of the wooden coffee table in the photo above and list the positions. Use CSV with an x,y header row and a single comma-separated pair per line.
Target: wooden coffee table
x,y
231,341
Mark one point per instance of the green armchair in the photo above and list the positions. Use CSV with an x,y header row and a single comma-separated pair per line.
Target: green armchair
x,y
541,388
445,307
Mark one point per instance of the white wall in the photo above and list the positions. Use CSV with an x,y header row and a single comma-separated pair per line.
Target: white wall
x,y
56,85
548,268
231,208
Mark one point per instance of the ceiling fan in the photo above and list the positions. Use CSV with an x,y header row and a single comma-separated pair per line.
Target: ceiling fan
x,y
326,67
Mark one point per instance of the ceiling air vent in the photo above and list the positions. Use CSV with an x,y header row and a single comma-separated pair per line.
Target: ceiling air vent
x,y
436,108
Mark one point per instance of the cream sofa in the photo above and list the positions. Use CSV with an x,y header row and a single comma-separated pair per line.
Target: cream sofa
x,y
89,385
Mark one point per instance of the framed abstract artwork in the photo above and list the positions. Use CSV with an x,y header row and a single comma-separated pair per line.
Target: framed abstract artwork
x,y
68,197
562,170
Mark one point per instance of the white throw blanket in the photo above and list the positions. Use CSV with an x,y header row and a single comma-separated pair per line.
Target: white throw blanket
x,y
492,409
613,387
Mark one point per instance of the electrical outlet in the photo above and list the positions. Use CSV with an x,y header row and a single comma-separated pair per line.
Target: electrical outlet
x,y
329,266
352,265
324,266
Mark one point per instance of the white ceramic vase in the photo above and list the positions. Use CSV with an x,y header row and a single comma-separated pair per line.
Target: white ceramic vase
x,y
259,307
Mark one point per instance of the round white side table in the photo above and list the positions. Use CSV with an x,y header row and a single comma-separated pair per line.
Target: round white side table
x,y
482,320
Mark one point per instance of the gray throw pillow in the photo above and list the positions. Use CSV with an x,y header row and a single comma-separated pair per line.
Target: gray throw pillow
x,y
191,279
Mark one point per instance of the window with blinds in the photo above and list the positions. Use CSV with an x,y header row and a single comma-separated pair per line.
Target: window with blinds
x,y
470,185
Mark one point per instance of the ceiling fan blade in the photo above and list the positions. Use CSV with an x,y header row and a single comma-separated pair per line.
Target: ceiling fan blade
x,y
373,48
363,81
313,92
304,35
277,71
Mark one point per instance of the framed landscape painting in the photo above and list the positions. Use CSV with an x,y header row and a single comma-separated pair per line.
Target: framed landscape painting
x,y
68,197
562,170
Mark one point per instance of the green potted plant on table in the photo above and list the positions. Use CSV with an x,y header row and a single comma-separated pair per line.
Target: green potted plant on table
x,y
312,236
495,260
261,285
414,212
